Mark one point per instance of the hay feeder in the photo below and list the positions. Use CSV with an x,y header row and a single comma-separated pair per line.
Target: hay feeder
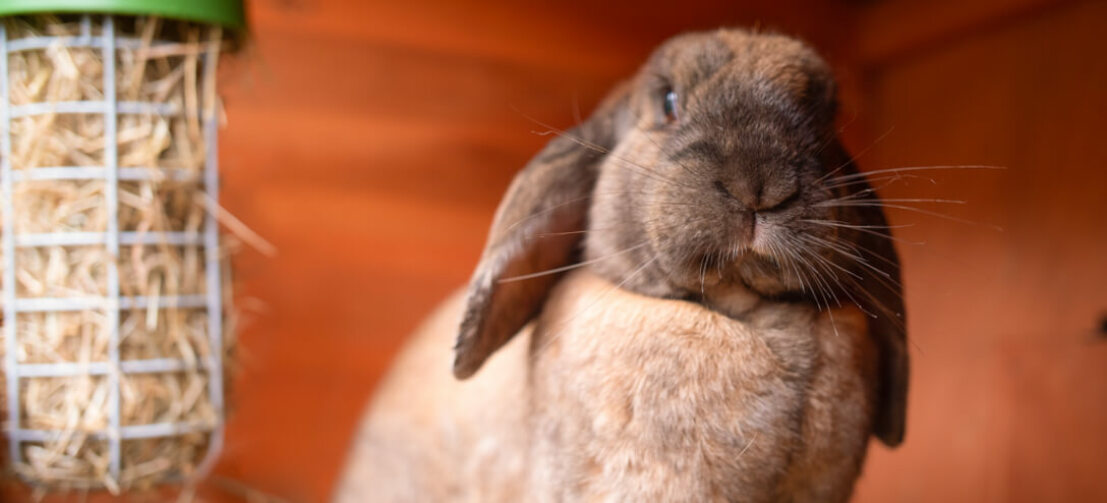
x,y
113,337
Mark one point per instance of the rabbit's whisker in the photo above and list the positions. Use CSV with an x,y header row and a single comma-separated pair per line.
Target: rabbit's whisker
x,y
703,272
875,302
875,204
857,156
564,325
720,263
833,324
601,150
566,233
923,200
839,223
820,288
825,266
546,211
748,445
889,179
853,196
853,280
873,230
650,173
611,229
908,169
571,266
785,252
844,248
854,252
678,203
831,138
859,196
788,257
886,281
855,287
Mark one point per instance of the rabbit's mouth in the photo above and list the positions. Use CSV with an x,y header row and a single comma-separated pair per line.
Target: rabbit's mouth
x,y
708,275
764,275
733,286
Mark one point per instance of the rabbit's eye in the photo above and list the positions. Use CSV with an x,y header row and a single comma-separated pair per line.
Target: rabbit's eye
x,y
670,106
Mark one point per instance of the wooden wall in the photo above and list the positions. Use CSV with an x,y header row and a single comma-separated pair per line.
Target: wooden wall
x,y
1009,391
371,141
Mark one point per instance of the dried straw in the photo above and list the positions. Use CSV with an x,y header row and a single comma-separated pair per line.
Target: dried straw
x,y
173,148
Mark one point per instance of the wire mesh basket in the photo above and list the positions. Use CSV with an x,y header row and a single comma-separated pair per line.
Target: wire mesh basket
x,y
113,276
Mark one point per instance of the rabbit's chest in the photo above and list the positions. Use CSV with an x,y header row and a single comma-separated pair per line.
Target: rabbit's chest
x,y
679,409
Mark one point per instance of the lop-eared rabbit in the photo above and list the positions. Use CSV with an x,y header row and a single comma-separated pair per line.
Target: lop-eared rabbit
x,y
732,327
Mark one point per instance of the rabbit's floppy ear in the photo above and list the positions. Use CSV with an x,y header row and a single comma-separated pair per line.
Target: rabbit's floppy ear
x,y
880,293
537,228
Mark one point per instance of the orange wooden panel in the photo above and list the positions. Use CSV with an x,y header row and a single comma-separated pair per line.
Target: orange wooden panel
x,y
1008,386
890,31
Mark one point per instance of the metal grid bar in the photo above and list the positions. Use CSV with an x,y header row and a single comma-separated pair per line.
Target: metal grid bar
x,y
128,238
43,304
96,107
138,431
10,345
99,173
150,366
211,246
86,35
111,199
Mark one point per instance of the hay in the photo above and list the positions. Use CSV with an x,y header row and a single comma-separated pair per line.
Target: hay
x,y
170,148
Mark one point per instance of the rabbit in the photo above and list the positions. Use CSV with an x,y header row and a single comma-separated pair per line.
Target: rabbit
x,y
734,328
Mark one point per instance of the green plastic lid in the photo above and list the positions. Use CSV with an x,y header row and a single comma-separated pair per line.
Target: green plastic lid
x,y
228,13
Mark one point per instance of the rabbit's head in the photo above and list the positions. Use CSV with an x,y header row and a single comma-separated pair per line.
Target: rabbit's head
x,y
714,175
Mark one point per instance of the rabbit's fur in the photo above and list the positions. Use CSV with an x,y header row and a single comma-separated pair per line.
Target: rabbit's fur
x,y
614,396
704,354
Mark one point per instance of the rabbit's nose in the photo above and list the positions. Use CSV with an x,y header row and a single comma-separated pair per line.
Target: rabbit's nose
x,y
774,195
755,193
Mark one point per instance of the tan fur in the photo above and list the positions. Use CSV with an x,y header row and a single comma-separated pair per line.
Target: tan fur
x,y
615,396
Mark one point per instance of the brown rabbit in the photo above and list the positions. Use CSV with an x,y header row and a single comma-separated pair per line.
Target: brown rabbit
x,y
704,355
